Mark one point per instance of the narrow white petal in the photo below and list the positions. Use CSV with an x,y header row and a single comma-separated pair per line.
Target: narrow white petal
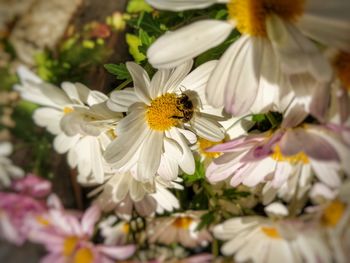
x,y
234,82
121,100
298,54
207,129
328,23
177,76
175,48
180,5
150,156
141,81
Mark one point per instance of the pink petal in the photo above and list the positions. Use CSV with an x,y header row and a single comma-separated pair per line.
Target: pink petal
x,y
90,217
121,252
299,140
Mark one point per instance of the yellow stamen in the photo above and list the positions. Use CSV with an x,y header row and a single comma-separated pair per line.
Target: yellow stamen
x,y
43,221
83,255
183,222
271,232
342,67
163,112
300,157
112,134
333,213
204,144
67,110
69,245
126,228
250,15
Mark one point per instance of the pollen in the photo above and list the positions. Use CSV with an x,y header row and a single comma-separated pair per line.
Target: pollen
x,y
126,228
300,157
333,213
67,110
83,255
163,113
250,15
271,232
342,68
183,222
69,245
204,144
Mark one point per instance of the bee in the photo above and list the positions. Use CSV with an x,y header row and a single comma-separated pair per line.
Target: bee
x,y
185,106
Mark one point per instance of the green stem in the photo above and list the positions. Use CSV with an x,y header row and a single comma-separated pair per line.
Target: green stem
x,y
272,119
124,84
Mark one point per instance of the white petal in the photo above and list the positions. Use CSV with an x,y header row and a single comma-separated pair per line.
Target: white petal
x,y
180,5
150,154
187,163
141,81
298,54
207,129
197,79
177,76
277,209
121,100
328,23
234,82
62,143
174,48
77,93
158,82
327,172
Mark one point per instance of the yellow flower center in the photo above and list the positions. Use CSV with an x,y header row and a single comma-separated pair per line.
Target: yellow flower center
x,y
67,110
183,222
69,245
342,67
300,157
250,15
164,112
204,144
271,232
83,255
333,213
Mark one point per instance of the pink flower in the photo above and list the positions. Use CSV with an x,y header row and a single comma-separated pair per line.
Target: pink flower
x,y
15,209
289,155
32,185
68,238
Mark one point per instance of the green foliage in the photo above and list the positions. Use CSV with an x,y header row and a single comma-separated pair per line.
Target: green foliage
x,y
119,70
137,6
234,194
198,175
72,61
134,43
7,80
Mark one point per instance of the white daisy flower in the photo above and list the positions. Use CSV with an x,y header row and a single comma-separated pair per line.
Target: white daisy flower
x,y
272,240
77,116
7,169
275,40
333,212
178,228
122,193
164,117
114,232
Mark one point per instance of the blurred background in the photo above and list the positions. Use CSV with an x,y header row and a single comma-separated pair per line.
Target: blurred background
x,y
59,40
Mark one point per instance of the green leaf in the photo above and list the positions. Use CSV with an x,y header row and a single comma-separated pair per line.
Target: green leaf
x,y
233,194
134,43
119,70
138,6
199,173
206,220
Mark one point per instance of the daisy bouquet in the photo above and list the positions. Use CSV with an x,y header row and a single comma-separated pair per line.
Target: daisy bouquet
x,y
226,138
